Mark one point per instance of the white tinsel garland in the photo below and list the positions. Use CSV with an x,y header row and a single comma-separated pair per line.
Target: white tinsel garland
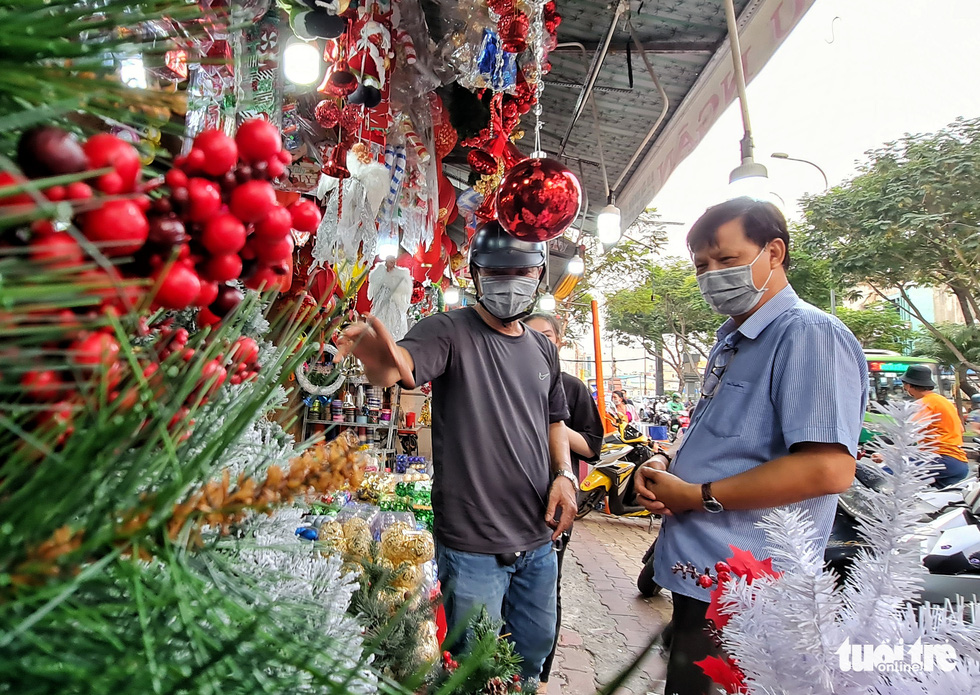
x,y
785,633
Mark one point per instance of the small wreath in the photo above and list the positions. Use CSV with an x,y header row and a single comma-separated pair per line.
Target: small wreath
x,y
332,387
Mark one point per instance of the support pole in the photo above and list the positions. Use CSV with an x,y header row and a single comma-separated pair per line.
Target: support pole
x,y
600,386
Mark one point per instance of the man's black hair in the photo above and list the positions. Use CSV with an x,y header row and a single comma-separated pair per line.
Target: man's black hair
x,y
761,220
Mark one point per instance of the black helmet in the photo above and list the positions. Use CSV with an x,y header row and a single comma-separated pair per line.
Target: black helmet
x,y
492,247
975,399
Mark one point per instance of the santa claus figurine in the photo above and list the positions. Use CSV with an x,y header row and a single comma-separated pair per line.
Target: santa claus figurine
x,y
390,292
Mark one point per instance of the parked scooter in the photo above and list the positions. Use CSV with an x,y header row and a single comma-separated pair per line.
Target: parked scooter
x,y
606,484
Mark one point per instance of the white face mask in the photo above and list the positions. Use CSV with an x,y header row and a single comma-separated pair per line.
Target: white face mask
x,y
508,297
732,291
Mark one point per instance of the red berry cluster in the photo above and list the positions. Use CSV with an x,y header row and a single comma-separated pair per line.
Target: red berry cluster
x,y
225,222
448,662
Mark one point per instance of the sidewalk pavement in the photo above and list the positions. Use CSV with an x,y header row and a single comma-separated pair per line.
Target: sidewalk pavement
x,y
606,623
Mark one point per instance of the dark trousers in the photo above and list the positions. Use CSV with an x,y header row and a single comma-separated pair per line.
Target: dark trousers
x,y
689,642
546,669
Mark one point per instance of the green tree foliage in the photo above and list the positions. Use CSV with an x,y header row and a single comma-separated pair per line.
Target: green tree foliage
x,y
910,218
966,339
624,265
879,327
808,273
666,313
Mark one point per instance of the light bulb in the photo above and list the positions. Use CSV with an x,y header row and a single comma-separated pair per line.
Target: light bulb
x,y
609,225
451,295
547,303
132,72
387,249
301,63
576,266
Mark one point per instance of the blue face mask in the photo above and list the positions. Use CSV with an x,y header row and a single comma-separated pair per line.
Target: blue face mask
x,y
732,291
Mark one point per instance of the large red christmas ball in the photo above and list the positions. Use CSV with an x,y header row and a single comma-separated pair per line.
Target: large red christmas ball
x,y
538,199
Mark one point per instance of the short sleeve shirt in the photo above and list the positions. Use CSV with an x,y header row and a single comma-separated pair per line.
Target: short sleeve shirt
x,y
493,399
797,376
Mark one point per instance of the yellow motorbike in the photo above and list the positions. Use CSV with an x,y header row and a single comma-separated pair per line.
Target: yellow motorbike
x,y
607,482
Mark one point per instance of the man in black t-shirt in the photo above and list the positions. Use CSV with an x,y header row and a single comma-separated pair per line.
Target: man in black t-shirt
x,y
503,472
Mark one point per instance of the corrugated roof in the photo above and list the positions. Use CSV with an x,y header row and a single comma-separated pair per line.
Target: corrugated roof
x,y
683,40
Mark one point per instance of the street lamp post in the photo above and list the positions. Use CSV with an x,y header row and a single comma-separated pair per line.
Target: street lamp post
x,y
826,185
783,155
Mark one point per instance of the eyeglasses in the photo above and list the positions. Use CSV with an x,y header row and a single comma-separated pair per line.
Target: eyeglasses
x,y
717,370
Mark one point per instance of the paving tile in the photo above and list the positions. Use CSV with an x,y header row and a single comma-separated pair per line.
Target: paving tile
x,y
569,638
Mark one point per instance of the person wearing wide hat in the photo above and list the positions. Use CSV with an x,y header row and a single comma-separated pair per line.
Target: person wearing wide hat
x,y
944,431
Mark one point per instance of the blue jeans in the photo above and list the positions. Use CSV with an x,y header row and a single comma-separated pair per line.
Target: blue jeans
x,y
523,596
953,471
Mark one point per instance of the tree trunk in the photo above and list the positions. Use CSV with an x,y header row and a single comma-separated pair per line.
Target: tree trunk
x,y
963,297
965,386
660,375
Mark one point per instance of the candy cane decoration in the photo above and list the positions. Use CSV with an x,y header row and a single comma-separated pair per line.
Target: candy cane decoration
x,y
415,141
396,162
404,40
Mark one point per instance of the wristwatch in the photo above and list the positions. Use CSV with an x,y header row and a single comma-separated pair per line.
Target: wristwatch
x,y
565,473
711,505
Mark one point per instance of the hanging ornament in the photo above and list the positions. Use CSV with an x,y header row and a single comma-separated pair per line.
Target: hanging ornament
x,y
512,156
513,32
336,164
481,161
340,82
327,114
538,199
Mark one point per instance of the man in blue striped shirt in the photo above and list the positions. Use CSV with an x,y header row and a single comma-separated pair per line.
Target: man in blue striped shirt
x,y
777,425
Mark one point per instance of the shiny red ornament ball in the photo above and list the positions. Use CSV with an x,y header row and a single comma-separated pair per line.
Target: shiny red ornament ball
x,y
204,200
538,199
327,114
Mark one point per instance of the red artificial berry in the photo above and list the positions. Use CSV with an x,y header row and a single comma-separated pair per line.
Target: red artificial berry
x,y
223,234
213,375
274,226
47,150
120,225
110,184
56,193
724,577
722,567
195,161
166,231
306,215
205,317
227,266
106,150
188,354
57,250
447,656
79,190
276,169
220,152
516,678
228,299
207,295
41,384
267,278
272,251
285,157
204,200
8,179
179,287
175,178
253,200
95,349
705,582
245,351
258,140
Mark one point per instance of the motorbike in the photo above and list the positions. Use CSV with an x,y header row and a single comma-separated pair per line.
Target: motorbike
x,y
679,424
606,484
949,537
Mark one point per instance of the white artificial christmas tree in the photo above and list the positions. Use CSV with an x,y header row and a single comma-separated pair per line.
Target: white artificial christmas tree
x,y
795,633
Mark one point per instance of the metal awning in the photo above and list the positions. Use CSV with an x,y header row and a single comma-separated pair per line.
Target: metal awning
x,y
686,44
